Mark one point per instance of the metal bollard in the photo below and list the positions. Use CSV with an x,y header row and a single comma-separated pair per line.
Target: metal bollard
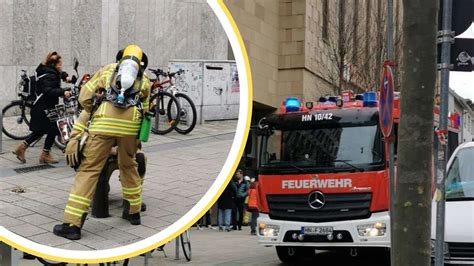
x,y
100,203
176,257
8,255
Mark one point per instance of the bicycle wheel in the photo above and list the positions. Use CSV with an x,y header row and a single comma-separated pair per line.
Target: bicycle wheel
x,y
165,108
16,120
186,245
60,143
187,114
47,262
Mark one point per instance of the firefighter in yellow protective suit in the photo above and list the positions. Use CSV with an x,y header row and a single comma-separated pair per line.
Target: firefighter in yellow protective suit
x,y
72,157
115,122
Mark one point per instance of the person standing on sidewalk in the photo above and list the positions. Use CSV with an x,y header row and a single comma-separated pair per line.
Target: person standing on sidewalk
x,y
48,83
241,188
225,204
253,206
205,221
116,122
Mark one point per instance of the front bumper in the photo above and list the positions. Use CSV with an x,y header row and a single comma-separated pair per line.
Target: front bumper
x,y
347,229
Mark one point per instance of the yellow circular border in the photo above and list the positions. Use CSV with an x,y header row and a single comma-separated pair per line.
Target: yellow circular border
x,y
211,202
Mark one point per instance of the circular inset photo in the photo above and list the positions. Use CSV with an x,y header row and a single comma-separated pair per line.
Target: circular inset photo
x,y
123,121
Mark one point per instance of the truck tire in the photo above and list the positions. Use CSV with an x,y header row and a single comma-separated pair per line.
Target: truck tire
x,y
288,254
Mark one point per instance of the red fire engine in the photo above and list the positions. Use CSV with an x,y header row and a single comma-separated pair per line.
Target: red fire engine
x,y
323,176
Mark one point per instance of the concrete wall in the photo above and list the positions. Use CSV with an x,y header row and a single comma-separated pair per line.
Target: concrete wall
x,y
283,39
94,30
288,54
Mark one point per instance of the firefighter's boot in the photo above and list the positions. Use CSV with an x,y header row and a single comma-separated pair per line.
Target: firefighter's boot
x,y
46,157
20,152
70,231
134,218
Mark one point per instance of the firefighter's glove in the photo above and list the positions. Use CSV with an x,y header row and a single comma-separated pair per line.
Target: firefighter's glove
x,y
73,153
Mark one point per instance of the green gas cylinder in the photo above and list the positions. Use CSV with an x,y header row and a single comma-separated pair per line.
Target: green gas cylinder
x,y
145,127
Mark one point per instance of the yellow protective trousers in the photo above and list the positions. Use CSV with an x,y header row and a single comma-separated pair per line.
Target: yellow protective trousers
x,y
95,154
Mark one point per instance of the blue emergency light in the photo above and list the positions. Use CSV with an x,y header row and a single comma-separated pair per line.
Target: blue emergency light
x,y
332,99
370,99
292,104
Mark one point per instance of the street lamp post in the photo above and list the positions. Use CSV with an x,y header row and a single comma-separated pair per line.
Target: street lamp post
x,y
445,38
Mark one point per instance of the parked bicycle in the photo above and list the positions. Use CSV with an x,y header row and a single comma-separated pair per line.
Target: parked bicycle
x,y
166,81
165,107
16,115
65,114
184,241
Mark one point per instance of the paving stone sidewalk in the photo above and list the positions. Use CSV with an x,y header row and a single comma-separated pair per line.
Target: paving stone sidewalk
x,y
180,170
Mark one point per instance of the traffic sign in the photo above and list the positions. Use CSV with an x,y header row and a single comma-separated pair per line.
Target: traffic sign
x,y
462,16
462,54
386,100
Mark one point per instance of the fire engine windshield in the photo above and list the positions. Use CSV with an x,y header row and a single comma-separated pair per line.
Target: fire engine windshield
x,y
460,180
357,147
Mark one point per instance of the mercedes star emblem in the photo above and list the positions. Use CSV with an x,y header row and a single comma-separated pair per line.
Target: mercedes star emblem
x,y
316,200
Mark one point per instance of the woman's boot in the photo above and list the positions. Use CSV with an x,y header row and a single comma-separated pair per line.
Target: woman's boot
x,y
20,152
46,157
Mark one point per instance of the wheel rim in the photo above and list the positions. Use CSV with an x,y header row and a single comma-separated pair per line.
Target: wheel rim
x,y
16,121
186,244
188,114
166,110
183,114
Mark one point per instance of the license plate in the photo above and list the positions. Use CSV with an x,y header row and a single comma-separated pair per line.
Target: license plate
x,y
317,230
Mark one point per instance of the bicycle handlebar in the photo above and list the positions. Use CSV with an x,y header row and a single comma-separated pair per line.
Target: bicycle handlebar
x,y
160,72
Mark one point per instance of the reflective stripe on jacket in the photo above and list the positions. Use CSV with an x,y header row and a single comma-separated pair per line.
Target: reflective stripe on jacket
x,y
80,124
108,119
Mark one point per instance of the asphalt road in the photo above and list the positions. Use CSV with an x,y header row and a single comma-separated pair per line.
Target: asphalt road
x,y
211,247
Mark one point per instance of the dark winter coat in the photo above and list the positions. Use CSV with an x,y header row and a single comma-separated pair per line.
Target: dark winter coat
x,y
226,200
241,189
50,86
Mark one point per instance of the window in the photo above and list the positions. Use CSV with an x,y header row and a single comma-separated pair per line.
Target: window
x,y
469,123
325,19
331,147
460,179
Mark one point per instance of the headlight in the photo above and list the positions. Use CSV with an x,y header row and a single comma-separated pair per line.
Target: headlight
x,y
433,248
268,230
372,230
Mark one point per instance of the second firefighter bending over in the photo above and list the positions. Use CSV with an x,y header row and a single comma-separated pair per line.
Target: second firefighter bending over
x,y
73,156
115,122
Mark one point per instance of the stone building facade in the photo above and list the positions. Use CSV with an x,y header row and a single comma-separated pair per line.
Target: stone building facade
x,y
293,47
291,44
94,30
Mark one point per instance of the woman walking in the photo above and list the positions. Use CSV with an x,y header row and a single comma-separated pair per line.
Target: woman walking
x,y
49,74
